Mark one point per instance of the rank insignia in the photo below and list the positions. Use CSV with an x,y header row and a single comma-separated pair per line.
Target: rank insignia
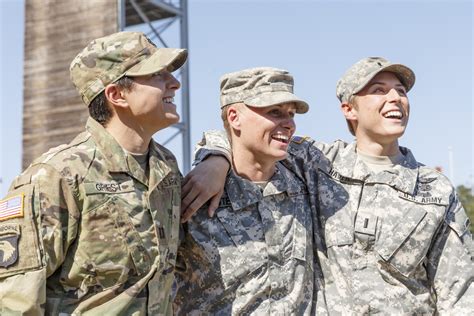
x,y
298,139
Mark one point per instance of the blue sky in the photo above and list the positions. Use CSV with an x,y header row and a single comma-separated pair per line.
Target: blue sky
x,y
316,40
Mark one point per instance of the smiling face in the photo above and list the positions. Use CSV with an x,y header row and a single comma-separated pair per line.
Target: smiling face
x,y
151,100
262,133
379,112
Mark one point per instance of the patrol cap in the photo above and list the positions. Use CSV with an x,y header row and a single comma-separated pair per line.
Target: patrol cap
x,y
107,59
360,74
260,87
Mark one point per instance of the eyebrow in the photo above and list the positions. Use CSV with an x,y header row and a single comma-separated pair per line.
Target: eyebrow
x,y
384,84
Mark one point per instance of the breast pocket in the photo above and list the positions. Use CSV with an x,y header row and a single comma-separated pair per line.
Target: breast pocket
x,y
334,211
109,247
302,229
240,245
405,246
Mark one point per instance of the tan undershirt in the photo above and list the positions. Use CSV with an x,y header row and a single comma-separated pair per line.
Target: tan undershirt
x,y
142,160
379,163
261,184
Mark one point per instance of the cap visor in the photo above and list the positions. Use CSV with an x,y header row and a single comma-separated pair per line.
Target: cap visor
x,y
275,98
163,58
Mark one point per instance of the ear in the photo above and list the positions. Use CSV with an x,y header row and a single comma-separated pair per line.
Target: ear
x,y
349,111
115,96
233,117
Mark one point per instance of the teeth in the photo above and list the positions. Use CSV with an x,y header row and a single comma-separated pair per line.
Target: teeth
x,y
168,100
282,138
394,114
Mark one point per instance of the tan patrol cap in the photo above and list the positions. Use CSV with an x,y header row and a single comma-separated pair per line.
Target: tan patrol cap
x,y
107,59
360,74
260,87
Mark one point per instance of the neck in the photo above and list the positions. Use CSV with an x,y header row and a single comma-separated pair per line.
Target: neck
x,y
247,166
132,140
378,149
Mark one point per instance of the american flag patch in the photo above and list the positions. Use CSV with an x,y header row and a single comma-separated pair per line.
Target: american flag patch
x,y
11,207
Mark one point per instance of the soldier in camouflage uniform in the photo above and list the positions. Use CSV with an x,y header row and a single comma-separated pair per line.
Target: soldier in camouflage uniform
x,y
255,256
391,234
91,227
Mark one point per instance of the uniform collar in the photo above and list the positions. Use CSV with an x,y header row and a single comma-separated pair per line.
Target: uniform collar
x,y
117,160
242,193
403,176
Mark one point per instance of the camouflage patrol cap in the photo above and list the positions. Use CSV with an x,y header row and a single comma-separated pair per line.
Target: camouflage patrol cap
x,y
107,59
260,87
360,74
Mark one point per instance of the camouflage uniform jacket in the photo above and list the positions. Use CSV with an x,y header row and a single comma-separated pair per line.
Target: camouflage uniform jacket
x,y
254,256
95,235
394,242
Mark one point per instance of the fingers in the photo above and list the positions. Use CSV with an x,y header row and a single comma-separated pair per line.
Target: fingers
x,y
214,204
194,195
205,182
193,207
188,195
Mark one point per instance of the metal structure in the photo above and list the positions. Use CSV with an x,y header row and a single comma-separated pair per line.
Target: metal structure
x,y
53,112
155,17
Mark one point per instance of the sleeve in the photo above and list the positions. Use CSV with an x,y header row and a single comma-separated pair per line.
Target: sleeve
x,y
304,158
213,143
37,225
450,263
197,279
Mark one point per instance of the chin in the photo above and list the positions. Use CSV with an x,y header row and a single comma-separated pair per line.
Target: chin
x,y
397,133
281,156
173,119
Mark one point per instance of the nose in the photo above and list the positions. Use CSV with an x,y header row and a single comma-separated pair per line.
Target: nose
x,y
393,96
173,83
289,124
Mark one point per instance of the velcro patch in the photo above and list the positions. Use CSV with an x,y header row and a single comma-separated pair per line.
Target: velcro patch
x,y
422,199
11,207
298,139
109,187
9,234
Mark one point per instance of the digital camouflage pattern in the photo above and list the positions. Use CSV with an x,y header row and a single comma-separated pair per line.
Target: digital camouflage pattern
x,y
98,237
254,257
260,87
107,59
394,242
359,75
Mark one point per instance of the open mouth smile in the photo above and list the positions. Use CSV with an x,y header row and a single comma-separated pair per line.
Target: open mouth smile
x,y
168,100
281,138
394,115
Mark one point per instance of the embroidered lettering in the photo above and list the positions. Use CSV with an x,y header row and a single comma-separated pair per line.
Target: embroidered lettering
x,y
108,187
422,199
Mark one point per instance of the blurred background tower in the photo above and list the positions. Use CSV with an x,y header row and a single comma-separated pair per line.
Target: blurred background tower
x,y
55,31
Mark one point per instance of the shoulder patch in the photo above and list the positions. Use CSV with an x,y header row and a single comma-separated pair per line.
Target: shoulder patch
x,y
11,207
299,139
9,234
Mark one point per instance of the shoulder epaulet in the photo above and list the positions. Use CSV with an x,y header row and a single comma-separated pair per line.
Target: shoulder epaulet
x,y
52,152
299,139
